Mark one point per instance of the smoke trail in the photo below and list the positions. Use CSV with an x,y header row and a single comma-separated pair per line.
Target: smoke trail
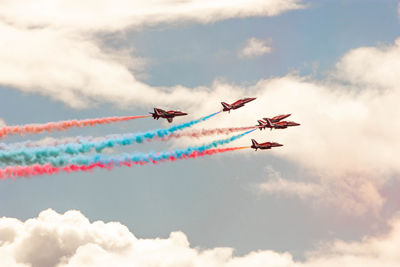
x,y
102,161
206,132
50,141
137,157
61,125
25,171
27,156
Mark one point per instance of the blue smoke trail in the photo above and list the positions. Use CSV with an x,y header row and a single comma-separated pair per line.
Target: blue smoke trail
x,y
140,157
39,155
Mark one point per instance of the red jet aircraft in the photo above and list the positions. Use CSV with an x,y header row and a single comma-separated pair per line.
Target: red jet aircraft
x,y
277,118
277,125
238,104
169,115
266,145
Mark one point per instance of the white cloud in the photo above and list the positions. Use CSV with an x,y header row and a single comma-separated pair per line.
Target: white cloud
x,y
107,15
70,240
376,67
62,65
255,48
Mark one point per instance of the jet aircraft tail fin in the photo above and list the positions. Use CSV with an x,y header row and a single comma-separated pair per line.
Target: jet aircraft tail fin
x,y
155,114
269,124
260,123
255,144
226,106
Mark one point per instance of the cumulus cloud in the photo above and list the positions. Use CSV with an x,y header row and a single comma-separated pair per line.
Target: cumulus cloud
x,y
376,67
70,240
255,48
2,123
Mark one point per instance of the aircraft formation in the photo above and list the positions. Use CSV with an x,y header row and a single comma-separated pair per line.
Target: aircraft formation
x,y
77,153
276,122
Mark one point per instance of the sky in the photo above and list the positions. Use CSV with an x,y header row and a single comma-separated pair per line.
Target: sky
x,y
329,196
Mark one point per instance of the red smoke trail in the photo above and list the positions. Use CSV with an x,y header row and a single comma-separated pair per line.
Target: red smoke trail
x,y
61,125
206,132
12,172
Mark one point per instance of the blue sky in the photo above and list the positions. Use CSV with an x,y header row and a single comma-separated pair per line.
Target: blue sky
x,y
213,200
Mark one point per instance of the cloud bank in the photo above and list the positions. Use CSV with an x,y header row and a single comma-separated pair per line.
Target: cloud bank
x,y
55,48
71,240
